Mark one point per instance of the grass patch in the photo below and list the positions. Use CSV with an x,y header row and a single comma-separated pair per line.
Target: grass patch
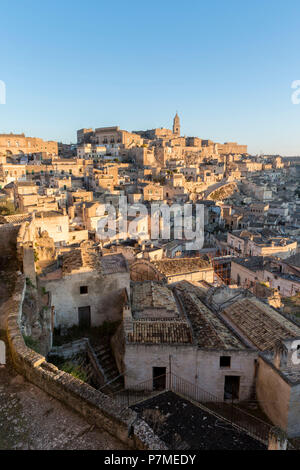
x,y
32,343
75,370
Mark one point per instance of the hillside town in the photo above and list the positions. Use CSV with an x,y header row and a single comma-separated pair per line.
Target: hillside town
x,y
127,324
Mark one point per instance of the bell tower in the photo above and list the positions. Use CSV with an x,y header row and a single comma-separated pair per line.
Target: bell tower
x,y
176,126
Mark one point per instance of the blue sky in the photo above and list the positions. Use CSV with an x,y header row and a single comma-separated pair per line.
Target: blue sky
x,y
225,66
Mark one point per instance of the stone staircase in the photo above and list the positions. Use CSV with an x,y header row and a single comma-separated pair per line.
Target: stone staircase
x,y
109,369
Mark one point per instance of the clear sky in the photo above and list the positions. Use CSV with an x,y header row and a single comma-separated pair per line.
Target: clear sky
x,y
225,66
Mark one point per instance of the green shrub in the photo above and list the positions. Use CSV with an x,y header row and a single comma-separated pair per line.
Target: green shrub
x,y
32,343
29,283
75,370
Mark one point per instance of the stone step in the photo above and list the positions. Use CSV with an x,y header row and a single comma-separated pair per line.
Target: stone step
x,y
103,357
99,349
109,367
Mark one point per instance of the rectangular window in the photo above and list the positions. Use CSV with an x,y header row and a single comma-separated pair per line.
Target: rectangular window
x,y
225,361
83,289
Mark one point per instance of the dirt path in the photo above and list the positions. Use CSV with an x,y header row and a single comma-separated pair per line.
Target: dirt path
x,y
31,419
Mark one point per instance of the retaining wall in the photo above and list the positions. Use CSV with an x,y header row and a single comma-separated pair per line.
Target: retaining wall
x,y
97,408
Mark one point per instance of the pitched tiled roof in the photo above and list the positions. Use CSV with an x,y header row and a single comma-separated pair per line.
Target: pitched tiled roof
x,y
113,264
17,218
152,296
208,330
84,257
157,332
44,214
293,260
170,267
261,324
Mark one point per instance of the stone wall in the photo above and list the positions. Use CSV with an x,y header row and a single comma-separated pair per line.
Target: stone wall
x,y
8,232
118,346
196,366
293,428
104,297
19,144
69,349
273,393
97,408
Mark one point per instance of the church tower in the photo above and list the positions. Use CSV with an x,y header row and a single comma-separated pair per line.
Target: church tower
x,y
176,125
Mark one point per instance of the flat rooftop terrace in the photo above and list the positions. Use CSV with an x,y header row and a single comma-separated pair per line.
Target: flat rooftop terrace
x,y
185,426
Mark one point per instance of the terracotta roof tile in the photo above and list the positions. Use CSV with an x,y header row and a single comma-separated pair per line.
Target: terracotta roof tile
x,y
261,324
208,330
157,332
170,267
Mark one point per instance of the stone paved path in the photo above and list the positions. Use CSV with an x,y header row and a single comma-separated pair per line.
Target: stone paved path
x,y
31,419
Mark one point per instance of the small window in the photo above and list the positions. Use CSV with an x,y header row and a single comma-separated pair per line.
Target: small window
x,y
225,361
83,289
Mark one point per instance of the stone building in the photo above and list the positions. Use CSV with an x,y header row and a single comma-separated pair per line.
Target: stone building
x,y
252,243
86,289
143,156
109,136
188,269
91,151
10,172
229,148
153,192
104,178
18,144
278,371
155,134
170,330
275,273
55,223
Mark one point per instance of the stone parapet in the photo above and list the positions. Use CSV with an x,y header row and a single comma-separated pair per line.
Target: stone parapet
x,y
97,408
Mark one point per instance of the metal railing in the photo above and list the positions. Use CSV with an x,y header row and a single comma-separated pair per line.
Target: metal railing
x,y
228,411
136,393
223,409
